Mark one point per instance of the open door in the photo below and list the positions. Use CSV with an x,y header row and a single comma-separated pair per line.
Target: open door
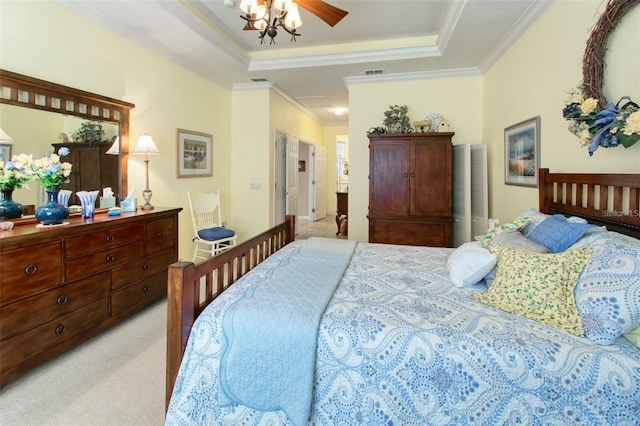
x,y
319,192
292,178
461,228
280,177
479,190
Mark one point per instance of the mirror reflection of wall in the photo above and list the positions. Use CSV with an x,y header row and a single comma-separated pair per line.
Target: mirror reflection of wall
x,y
33,132
342,163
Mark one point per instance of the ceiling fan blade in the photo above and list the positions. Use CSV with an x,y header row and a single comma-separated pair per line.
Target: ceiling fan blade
x,y
329,14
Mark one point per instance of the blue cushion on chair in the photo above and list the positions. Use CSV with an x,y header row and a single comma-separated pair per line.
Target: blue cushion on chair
x,y
216,233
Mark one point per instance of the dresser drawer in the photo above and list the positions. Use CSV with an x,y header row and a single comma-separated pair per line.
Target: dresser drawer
x,y
29,270
101,240
418,228
160,235
38,309
408,239
141,269
20,348
134,297
88,265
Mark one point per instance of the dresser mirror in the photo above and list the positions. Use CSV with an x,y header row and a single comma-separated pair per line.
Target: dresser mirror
x,y
39,115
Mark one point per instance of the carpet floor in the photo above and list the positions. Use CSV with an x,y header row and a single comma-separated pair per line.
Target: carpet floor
x,y
114,379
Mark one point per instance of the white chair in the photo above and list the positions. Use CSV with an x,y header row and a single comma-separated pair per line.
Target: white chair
x,y
211,238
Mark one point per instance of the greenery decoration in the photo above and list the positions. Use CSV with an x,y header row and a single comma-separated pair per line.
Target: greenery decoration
x,y
591,118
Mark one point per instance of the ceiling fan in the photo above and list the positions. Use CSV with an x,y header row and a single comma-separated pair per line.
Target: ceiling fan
x,y
267,15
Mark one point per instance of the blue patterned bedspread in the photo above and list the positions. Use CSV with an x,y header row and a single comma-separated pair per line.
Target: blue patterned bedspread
x,y
399,344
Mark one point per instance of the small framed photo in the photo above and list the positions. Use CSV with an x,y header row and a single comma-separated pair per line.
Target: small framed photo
x,y
522,153
195,154
5,152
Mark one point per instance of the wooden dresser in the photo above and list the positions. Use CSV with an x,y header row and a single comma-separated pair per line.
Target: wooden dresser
x,y
410,188
60,286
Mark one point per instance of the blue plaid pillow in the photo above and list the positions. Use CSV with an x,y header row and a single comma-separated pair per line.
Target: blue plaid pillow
x,y
556,233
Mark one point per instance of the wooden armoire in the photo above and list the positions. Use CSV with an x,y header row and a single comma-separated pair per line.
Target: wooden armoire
x,y
410,187
93,169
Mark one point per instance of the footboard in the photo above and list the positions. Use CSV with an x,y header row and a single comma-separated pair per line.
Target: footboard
x,y
192,287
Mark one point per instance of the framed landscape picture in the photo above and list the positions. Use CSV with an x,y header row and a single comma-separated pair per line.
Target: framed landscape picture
x,y
522,153
195,154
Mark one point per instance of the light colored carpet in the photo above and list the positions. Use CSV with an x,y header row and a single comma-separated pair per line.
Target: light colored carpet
x,y
114,379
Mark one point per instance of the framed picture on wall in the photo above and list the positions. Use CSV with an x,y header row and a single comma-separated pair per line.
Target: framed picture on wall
x,y
5,152
522,153
195,154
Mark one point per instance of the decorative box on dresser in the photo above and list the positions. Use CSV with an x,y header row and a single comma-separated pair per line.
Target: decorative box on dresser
x,y
410,188
61,285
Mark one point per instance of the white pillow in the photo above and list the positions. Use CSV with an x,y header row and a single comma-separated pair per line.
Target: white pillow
x,y
469,264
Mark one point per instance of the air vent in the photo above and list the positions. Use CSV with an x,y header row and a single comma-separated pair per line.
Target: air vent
x,y
259,80
373,72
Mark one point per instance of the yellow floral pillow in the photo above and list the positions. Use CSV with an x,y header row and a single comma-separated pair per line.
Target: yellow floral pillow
x,y
538,286
515,225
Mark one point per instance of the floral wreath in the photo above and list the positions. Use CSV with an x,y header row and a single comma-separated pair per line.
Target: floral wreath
x,y
591,118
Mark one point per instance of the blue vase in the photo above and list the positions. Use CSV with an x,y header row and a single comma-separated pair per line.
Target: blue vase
x,y
52,213
9,209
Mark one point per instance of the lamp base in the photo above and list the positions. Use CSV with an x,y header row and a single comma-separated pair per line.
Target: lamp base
x,y
146,194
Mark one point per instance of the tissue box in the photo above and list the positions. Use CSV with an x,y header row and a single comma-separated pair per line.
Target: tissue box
x,y
129,204
106,202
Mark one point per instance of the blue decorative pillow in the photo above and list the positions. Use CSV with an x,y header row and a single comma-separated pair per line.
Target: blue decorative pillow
x,y
217,233
608,290
557,233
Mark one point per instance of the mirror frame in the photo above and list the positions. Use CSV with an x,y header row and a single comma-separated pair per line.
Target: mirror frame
x,y
29,92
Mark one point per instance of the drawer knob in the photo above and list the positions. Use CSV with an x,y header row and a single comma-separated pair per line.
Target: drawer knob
x,y
60,329
111,238
146,266
161,234
111,257
146,288
62,299
31,269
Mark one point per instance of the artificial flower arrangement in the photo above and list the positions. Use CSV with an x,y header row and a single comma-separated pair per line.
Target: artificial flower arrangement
x,y
50,172
608,126
17,172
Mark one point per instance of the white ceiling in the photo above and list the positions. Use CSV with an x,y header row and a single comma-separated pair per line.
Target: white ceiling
x,y
403,38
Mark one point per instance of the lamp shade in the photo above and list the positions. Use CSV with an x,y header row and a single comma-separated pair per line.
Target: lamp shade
x,y
145,145
114,149
5,137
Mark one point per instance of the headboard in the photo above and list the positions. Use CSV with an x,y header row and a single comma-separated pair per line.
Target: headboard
x,y
612,200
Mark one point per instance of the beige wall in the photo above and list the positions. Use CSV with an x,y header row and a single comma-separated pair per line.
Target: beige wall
x,y
530,80
44,40
459,100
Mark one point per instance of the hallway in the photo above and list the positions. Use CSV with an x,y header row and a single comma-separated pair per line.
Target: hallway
x,y
321,228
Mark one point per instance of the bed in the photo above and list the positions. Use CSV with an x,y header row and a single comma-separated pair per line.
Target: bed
x,y
399,335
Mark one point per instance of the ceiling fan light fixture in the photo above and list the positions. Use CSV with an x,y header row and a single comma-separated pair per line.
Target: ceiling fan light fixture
x,y
292,18
259,15
249,6
283,5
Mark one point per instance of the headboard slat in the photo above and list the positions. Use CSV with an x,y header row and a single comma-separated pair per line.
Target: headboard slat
x,y
606,204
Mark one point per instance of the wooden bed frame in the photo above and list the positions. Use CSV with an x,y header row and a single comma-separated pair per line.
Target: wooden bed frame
x,y
602,199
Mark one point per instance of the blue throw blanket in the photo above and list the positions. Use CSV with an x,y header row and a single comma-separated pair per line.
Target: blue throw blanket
x,y
269,336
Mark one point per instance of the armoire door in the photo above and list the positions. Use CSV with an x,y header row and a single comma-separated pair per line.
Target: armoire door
x,y
389,177
431,178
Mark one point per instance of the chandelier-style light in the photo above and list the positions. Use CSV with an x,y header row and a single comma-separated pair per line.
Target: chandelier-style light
x,y
267,15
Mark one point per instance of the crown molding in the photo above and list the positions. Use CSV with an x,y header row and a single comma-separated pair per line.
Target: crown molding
x,y
533,12
450,23
268,85
412,76
354,57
